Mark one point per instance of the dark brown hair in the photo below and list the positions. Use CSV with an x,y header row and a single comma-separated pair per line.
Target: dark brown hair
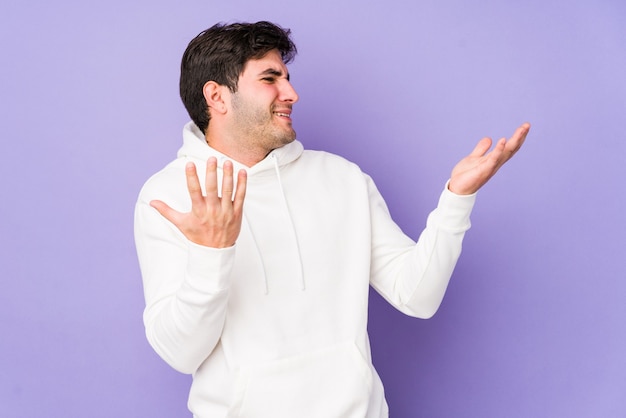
x,y
220,53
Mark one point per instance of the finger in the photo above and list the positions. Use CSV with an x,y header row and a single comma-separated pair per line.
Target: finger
x,y
210,180
519,136
497,155
481,147
193,185
524,127
165,211
517,140
240,193
227,183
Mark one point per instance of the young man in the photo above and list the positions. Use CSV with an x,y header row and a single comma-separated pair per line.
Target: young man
x,y
256,278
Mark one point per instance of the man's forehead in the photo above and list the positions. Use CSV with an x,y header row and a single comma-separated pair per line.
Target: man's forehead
x,y
270,63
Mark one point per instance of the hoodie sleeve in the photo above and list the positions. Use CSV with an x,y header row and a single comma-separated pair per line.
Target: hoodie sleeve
x,y
185,287
411,276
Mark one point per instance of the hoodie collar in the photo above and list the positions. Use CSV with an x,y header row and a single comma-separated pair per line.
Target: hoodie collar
x,y
195,146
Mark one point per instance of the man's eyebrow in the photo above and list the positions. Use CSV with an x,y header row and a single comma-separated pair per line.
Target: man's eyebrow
x,y
274,72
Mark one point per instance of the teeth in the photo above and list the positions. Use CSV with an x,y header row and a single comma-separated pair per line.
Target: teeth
x,y
283,114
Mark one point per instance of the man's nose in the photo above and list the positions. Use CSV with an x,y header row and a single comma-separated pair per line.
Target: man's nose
x,y
288,93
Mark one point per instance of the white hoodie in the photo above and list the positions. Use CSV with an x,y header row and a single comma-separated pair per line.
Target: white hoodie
x,y
276,326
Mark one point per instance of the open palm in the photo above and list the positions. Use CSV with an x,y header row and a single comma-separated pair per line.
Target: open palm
x,y
473,171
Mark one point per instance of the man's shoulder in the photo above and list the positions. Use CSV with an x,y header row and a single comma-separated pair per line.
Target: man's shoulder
x,y
166,183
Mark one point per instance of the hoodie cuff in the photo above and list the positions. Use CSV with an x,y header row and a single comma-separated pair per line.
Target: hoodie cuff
x,y
208,269
453,210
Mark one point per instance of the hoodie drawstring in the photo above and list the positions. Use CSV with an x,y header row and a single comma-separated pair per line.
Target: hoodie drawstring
x,y
258,250
293,227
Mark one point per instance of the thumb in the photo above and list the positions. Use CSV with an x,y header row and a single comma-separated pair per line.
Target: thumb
x,y
165,211
481,147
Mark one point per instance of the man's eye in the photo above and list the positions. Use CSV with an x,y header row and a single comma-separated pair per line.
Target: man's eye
x,y
269,79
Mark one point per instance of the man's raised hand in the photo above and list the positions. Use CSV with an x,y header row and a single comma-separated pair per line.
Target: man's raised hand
x,y
214,221
473,171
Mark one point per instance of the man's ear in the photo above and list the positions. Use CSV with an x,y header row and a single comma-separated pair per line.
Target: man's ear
x,y
215,96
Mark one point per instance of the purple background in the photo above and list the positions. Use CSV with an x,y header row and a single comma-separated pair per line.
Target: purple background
x,y
534,322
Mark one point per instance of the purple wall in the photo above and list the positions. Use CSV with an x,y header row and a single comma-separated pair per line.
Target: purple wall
x,y
534,321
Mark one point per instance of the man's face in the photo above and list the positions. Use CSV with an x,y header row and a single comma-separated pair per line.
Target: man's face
x,y
261,107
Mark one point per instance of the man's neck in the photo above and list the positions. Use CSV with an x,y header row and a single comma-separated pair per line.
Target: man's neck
x,y
235,149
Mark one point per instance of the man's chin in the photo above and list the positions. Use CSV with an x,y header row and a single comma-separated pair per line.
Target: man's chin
x,y
283,137
288,139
